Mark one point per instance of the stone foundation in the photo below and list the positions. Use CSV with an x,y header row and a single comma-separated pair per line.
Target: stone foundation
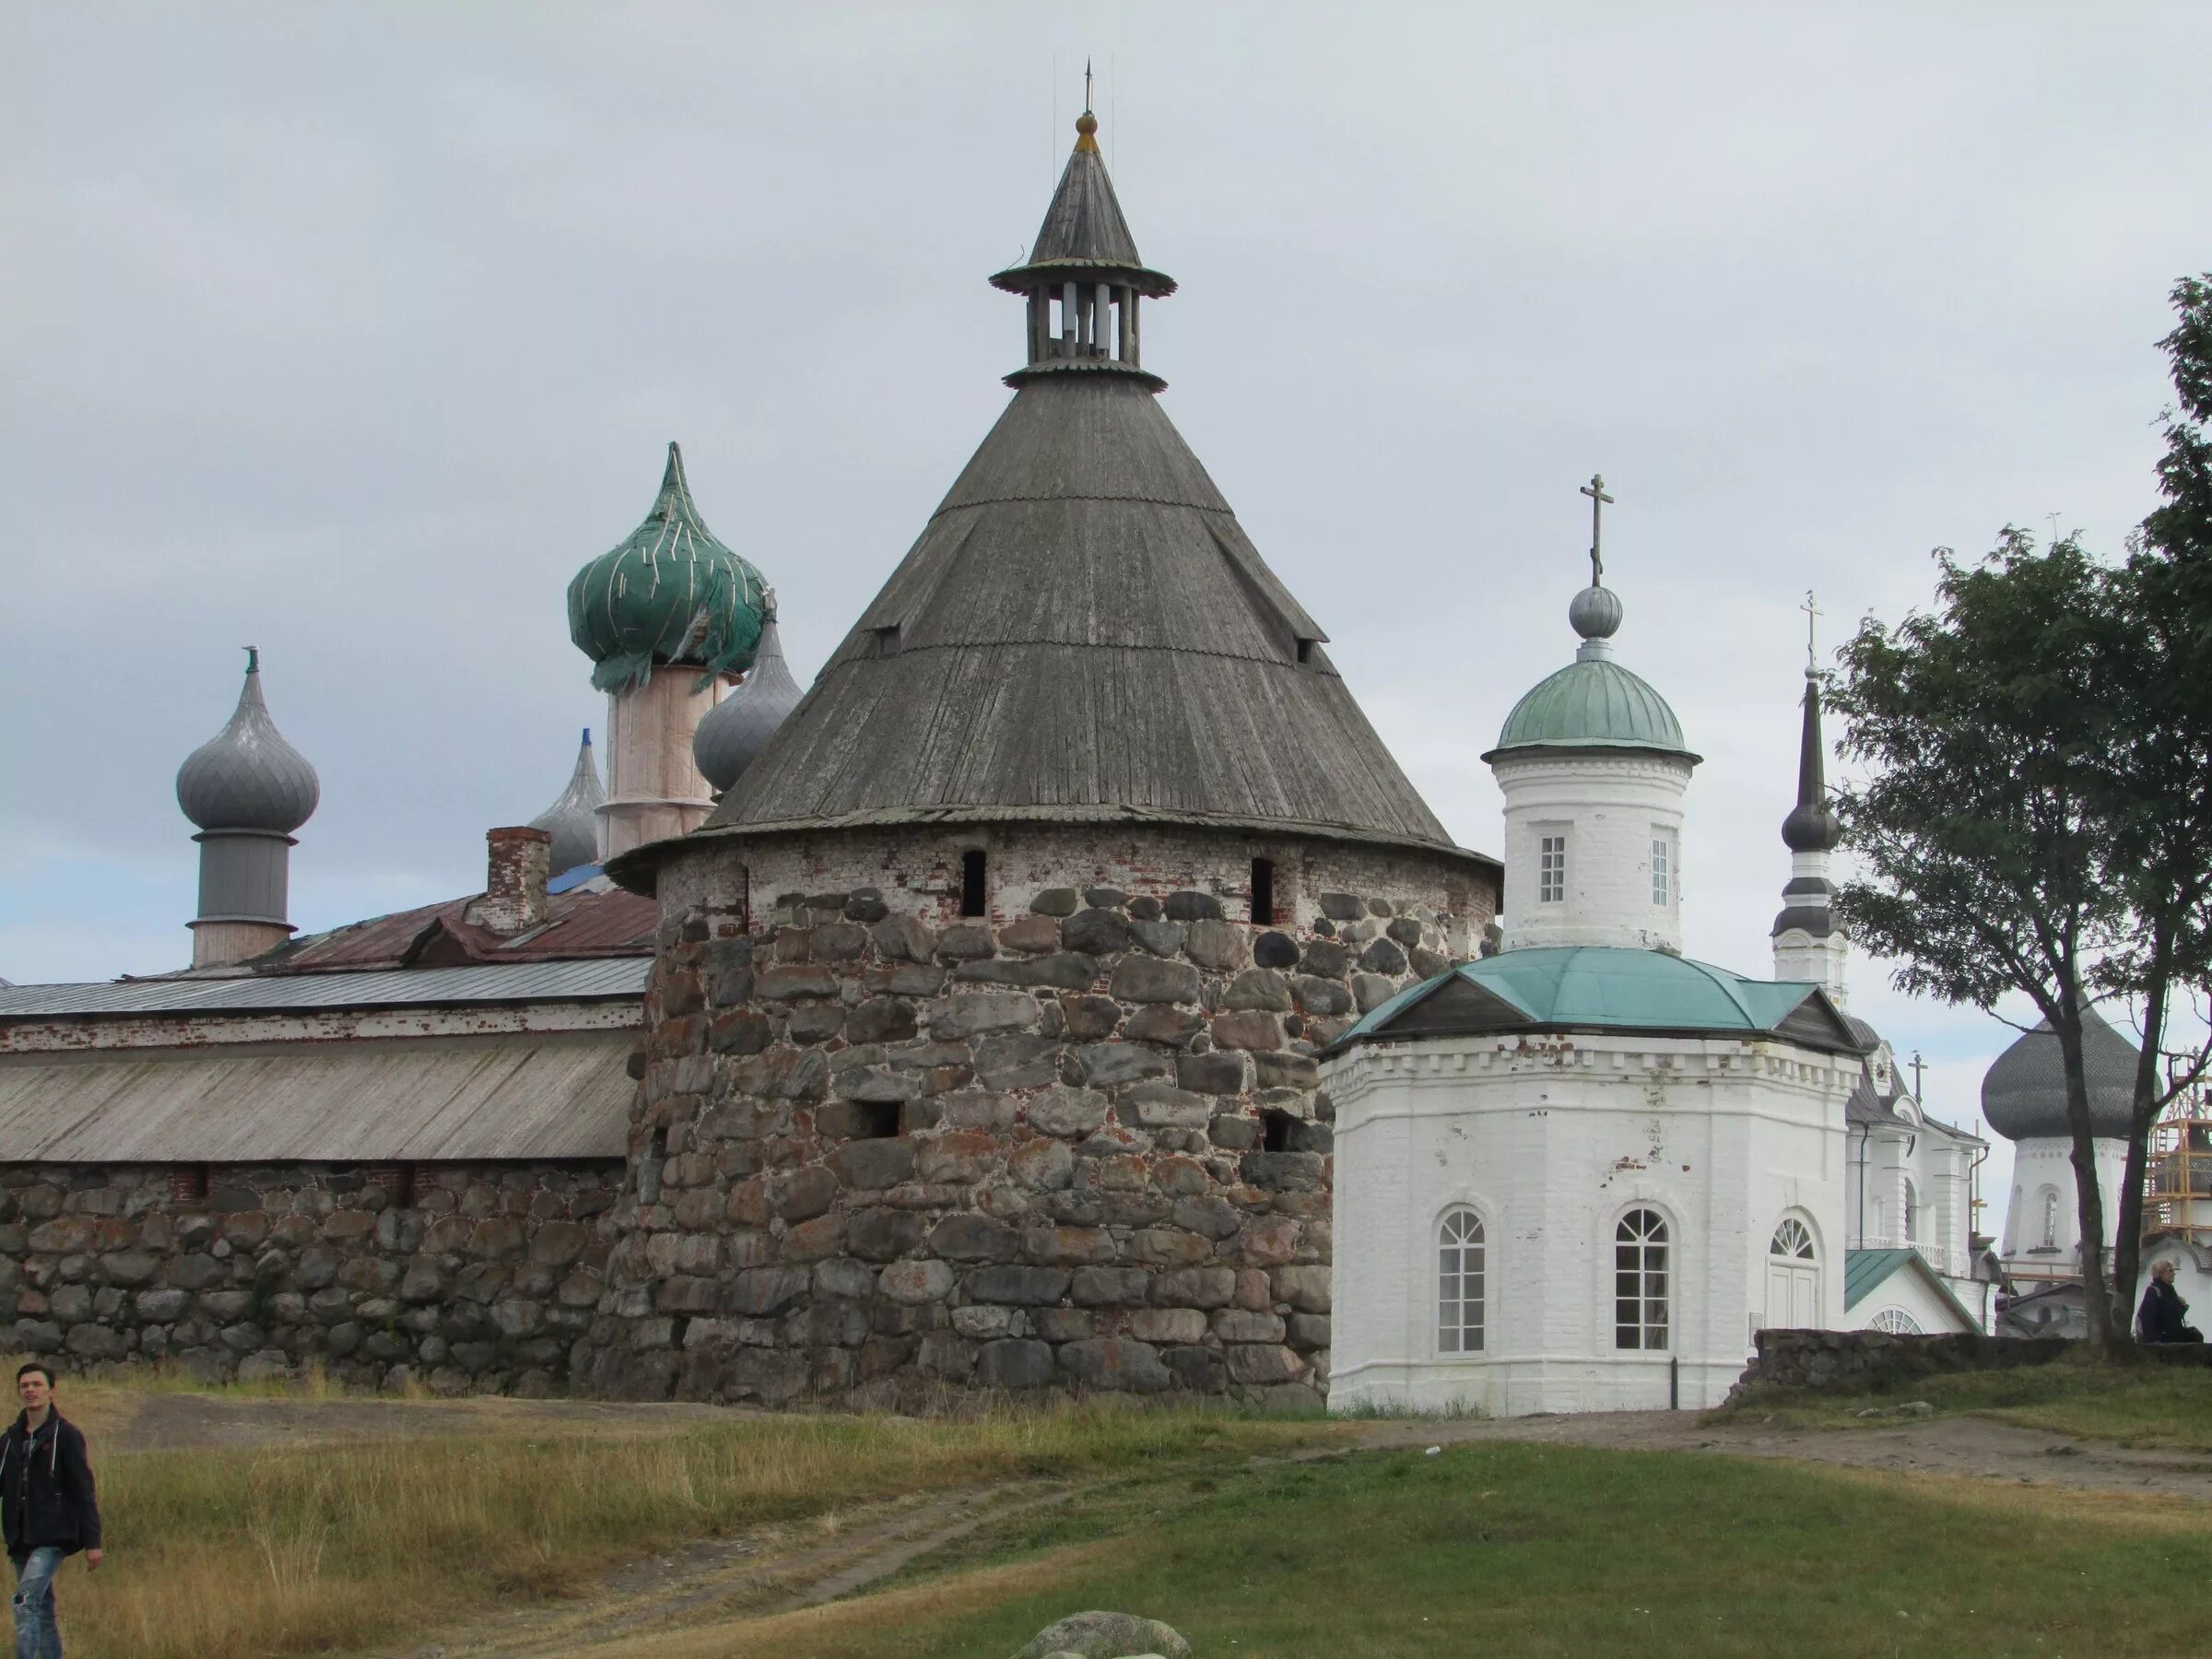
x,y
885,1153
483,1279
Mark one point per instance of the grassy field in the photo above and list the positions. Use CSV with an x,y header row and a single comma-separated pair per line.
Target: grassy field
x,y
1497,1547
2149,1405
1507,1548
218,1553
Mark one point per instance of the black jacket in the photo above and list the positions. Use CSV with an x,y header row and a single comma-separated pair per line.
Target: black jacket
x,y
2159,1318
46,1496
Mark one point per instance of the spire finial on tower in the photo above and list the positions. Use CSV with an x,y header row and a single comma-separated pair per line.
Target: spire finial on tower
x,y
252,659
1813,614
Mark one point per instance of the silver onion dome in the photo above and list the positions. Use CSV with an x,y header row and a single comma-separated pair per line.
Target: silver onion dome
x,y
736,729
247,776
573,819
2024,1092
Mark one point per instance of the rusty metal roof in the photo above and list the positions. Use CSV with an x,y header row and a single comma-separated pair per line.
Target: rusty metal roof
x,y
596,919
468,1100
592,979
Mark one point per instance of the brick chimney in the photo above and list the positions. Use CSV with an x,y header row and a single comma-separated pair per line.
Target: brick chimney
x,y
514,884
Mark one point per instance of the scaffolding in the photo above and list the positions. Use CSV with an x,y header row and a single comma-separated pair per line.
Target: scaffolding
x,y
2177,1188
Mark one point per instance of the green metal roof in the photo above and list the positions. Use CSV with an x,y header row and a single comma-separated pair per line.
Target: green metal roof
x,y
669,593
1593,702
1599,987
1866,1270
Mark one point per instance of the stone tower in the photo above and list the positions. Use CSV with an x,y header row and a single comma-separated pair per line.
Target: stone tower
x,y
980,1044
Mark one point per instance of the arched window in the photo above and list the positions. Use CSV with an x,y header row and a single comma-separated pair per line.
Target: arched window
x,y
1640,1280
1911,1213
1792,1239
2050,1218
1895,1321
1459,1284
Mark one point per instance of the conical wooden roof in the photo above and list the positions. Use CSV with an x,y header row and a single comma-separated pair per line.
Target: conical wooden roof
x,y
1082,634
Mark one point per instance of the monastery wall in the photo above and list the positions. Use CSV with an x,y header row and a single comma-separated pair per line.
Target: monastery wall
x,y
484,1280
883,1152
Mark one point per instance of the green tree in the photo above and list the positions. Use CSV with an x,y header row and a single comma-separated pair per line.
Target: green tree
x,y
1975,829
2037,815
2158,773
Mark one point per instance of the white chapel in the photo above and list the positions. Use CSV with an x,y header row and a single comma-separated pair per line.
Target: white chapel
x,y
1582,1173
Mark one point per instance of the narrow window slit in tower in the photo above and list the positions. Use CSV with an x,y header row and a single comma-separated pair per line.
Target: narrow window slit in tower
x,y
649,1167
886,640
876,1120
189,1183
1262,892
1275,1131
972,883
1305,653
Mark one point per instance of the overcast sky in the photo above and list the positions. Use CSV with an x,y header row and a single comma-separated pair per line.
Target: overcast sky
x,y
351,332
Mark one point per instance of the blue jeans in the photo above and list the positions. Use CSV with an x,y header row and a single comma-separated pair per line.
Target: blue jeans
x,y
37,1635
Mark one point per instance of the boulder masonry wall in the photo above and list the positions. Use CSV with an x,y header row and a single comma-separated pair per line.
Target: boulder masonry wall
x,y
482,1277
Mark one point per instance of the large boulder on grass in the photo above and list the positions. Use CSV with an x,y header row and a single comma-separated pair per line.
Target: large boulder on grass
x,y
1106,1636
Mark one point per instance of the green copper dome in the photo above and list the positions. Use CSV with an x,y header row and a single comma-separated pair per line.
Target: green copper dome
x,y
670,594
1592,704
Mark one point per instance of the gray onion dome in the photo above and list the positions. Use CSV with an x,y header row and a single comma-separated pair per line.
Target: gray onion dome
x,y
2024,1093
737,728
247,776
573,819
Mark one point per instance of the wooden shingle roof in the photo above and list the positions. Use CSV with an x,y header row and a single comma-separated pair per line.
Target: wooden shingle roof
x,y
1083,632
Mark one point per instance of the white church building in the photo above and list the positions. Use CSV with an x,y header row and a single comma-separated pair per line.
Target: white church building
x,y
1581,1174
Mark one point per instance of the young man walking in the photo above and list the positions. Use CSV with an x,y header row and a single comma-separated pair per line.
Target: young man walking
x,y
47,1508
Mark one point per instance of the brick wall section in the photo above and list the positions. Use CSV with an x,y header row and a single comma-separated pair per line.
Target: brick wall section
x,y
484,1282
884,1154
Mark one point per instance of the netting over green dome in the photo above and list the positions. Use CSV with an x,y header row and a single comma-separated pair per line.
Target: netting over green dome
x,y
1592,704
669,593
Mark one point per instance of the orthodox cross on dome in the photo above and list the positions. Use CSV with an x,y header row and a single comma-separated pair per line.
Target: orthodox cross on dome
x,y
1813,613
1599,501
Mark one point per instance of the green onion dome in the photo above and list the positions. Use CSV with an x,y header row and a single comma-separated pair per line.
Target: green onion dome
x,y
669,593
1593,703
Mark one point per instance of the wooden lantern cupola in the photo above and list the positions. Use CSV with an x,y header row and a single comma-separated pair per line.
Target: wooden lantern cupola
x,y
1084,279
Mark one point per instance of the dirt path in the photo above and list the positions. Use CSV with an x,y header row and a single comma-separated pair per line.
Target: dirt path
x,y
767,1573
1962,1447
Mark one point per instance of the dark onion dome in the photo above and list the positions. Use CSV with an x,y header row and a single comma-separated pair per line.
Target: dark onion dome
x,y
1812,826
247,776
738,727
1593,702
2024,1093
671,593
573,819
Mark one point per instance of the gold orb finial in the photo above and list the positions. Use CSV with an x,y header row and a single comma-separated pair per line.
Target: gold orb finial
x,y
1086,124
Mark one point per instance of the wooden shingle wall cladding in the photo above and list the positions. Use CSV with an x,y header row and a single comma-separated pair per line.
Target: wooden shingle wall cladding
x,y
883,1153
1083,625
483,1279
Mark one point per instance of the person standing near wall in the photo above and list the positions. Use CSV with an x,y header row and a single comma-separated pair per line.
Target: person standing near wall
x,y
47,1508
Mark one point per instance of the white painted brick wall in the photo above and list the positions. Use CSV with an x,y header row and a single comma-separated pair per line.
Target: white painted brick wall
x,y
1609,807
1551,1141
